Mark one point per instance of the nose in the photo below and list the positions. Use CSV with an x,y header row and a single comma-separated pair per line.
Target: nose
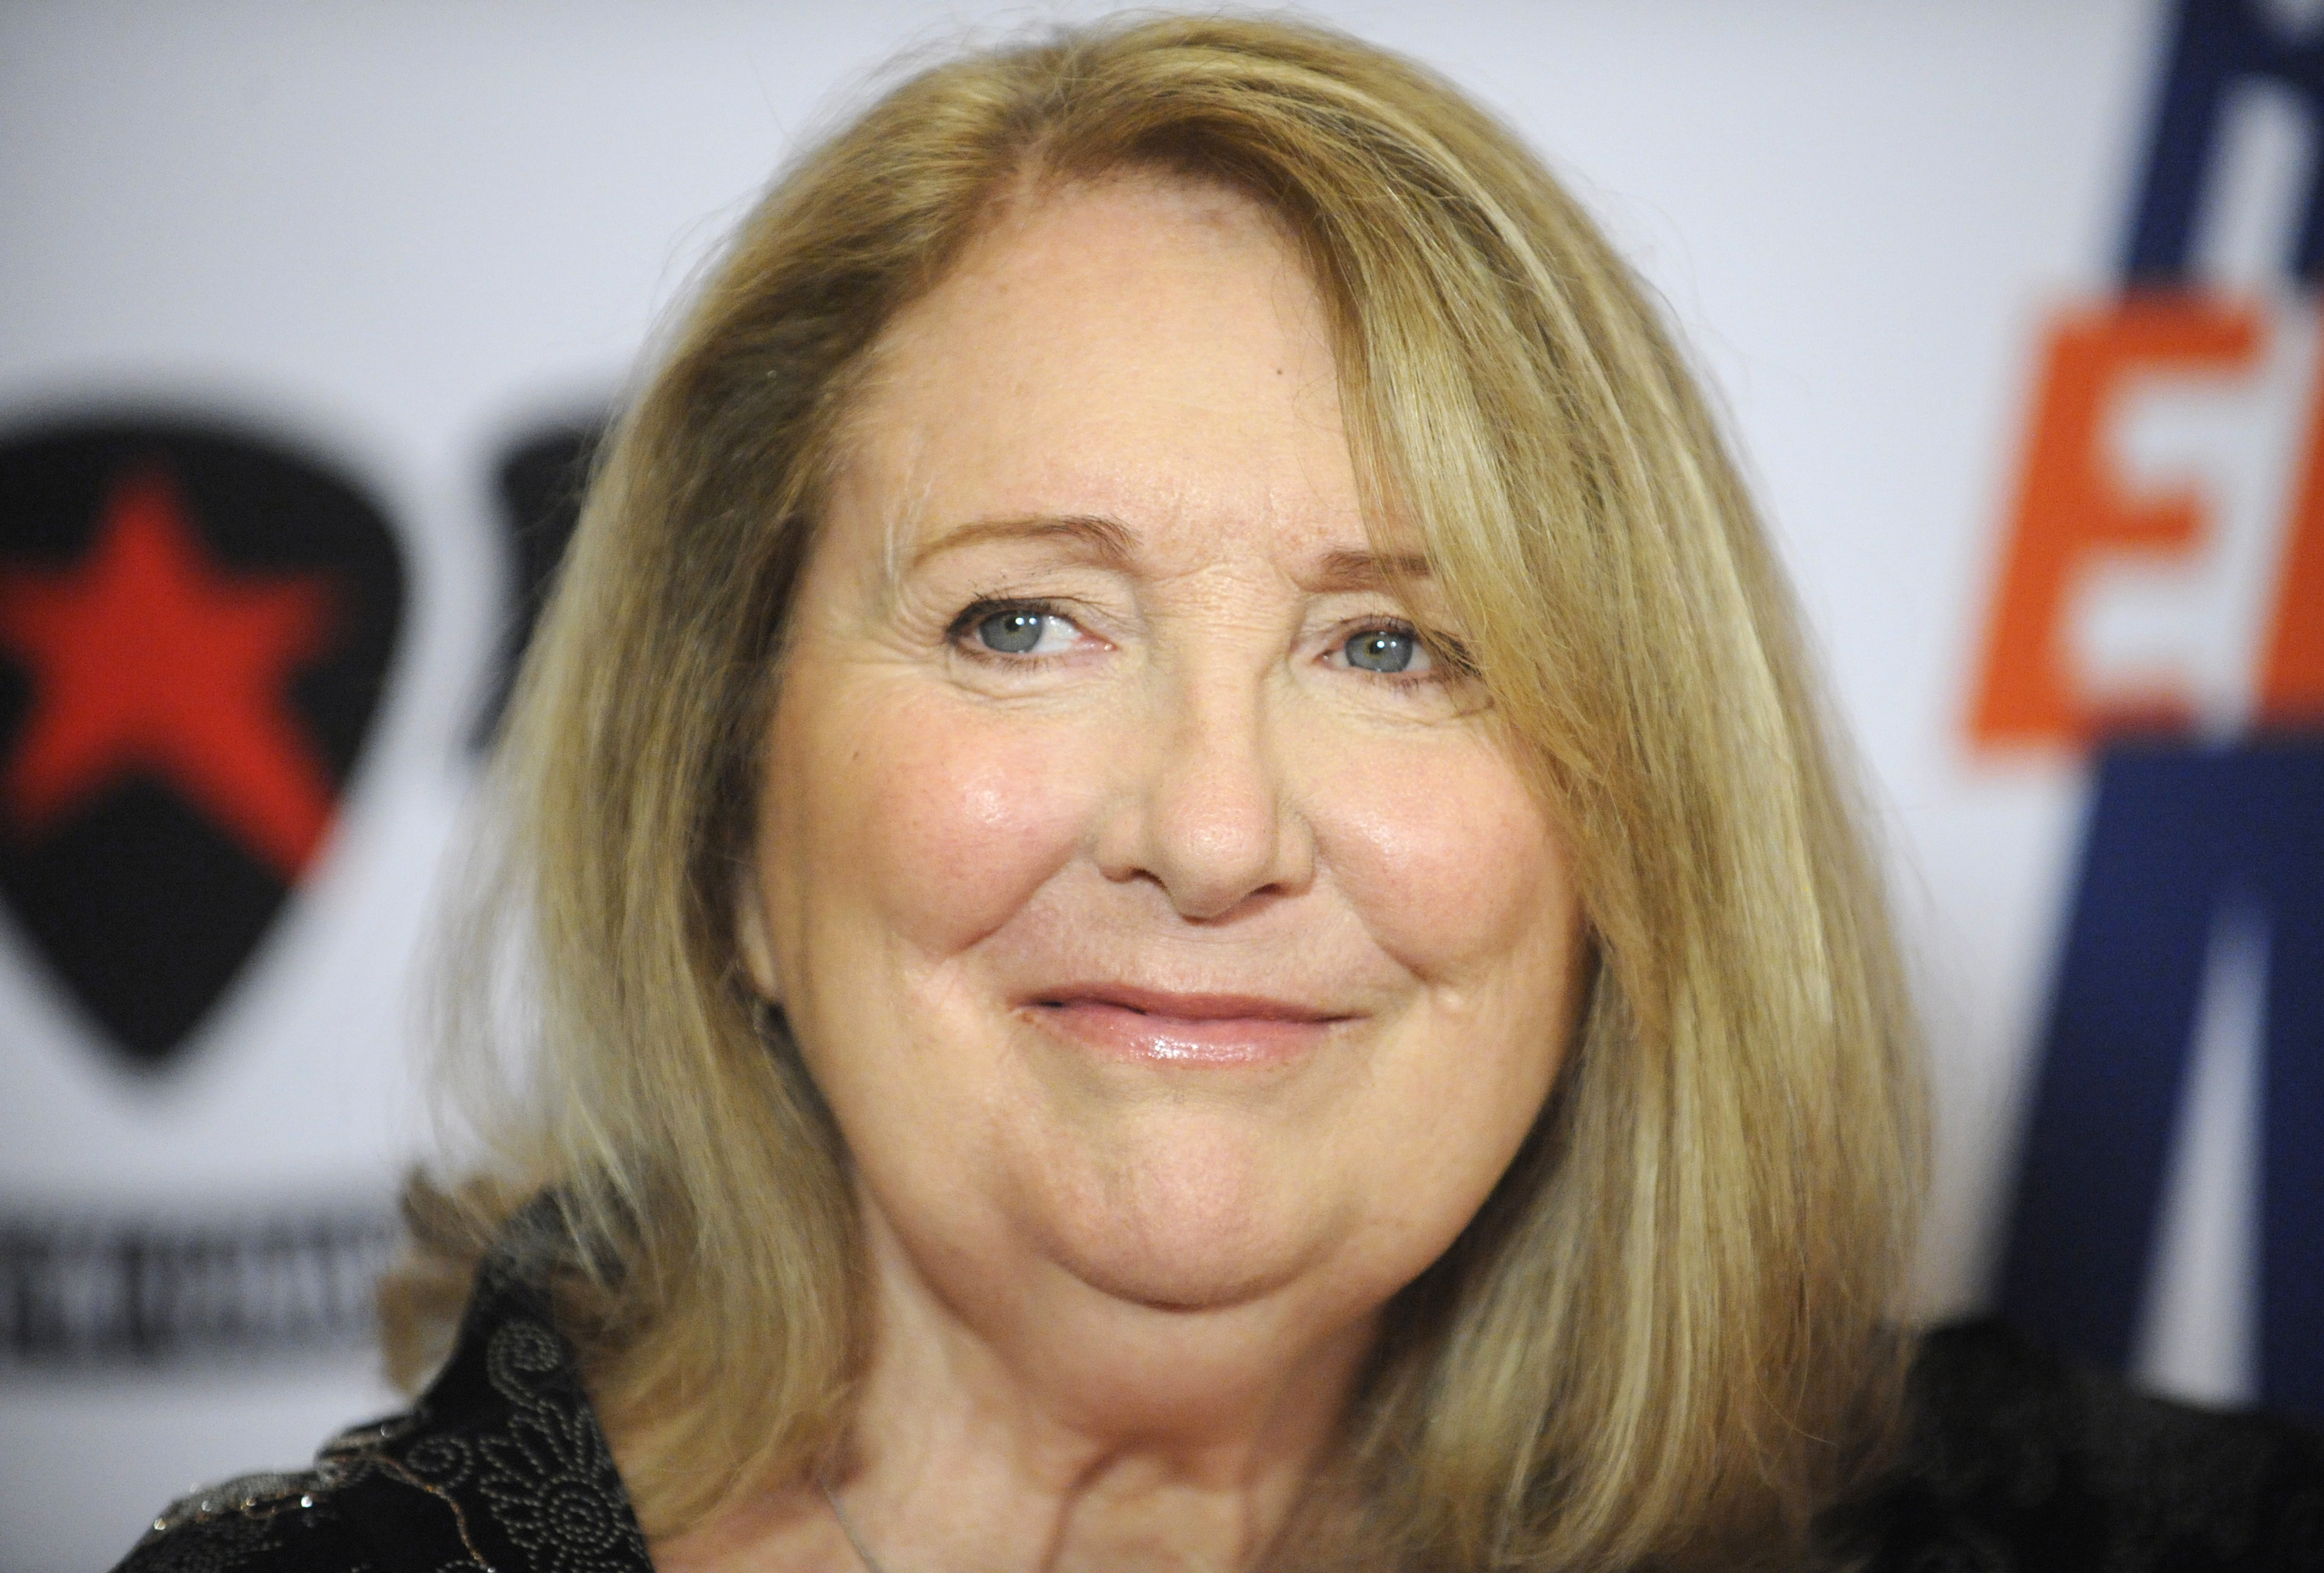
x,y
1202,807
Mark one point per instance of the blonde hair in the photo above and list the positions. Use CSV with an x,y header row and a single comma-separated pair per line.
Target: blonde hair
x,y
1661,1341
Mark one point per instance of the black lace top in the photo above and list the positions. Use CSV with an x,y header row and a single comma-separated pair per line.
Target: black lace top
x,y
2018,1461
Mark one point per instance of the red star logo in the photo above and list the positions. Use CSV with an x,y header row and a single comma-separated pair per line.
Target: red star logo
x,y
146,657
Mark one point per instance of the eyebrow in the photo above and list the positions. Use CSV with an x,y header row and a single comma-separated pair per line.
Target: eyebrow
x,y
1106,540
1345,571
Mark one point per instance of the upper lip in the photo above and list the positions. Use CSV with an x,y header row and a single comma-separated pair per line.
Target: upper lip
x,y
1165,1002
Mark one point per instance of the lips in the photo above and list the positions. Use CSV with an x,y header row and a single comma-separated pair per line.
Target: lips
x,y
1218,1031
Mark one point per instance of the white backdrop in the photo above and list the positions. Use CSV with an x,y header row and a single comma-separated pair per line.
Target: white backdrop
x,y
402,236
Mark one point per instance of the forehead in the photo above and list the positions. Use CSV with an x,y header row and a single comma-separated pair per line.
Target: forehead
x,y
1145,348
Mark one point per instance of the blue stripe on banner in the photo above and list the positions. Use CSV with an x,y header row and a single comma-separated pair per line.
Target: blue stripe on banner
x,y
2216,46
2292,1195
2174,833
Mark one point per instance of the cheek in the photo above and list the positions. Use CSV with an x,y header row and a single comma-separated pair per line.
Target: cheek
x,y
912,816
1450,862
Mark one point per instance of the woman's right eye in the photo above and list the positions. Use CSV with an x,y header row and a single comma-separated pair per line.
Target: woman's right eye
x,y
1014,630
1014,633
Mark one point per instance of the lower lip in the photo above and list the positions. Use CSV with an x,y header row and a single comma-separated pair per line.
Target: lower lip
x,y
1204,1042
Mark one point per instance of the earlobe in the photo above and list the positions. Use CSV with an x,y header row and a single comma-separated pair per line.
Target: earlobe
x,y
752,941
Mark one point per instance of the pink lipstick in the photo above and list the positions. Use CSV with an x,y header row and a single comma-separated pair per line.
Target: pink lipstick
x,y
1193,1030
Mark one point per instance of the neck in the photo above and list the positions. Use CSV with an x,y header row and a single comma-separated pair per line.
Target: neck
x,y
1015,1418
1026,1420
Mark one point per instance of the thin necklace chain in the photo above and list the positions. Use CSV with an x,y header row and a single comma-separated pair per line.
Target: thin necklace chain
x,y
862,1555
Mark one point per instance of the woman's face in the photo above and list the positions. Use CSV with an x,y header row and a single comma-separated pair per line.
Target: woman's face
x,y
1158,913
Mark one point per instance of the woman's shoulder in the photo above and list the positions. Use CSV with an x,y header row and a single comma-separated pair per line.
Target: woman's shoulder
x,y
334,1517
501,1466
2017,1458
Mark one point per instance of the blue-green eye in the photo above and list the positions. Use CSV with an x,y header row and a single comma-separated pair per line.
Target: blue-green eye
x,y
1383,650
994,627
1012,632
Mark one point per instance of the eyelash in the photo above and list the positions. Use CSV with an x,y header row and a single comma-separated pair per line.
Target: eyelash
x,y
1451,656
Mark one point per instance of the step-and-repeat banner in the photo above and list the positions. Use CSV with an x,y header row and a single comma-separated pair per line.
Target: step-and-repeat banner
x,y
308,316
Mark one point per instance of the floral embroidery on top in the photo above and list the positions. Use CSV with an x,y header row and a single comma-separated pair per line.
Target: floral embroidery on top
x,y
501,1467
548,1476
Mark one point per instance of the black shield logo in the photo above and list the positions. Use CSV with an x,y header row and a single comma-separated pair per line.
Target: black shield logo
x,y
195,626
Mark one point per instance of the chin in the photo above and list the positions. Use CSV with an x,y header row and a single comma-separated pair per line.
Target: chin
x,y
1190,1286
1189,1238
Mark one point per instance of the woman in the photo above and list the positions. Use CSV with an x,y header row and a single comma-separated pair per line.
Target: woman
x,y
1189,909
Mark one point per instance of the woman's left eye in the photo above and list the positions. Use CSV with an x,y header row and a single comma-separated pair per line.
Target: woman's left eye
x,y
1391,651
